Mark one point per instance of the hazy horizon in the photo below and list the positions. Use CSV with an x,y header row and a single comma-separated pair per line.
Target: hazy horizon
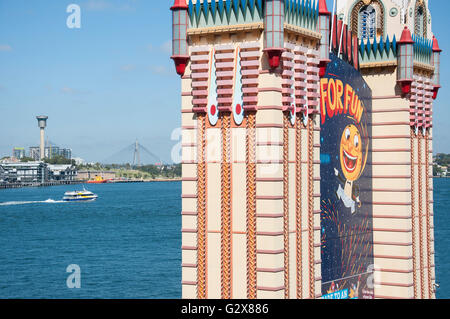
x,y
111,82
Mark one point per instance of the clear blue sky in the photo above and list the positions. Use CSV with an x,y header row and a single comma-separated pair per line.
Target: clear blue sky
x,y
112,81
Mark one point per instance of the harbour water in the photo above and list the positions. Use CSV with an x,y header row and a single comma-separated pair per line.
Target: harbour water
x,y
127,243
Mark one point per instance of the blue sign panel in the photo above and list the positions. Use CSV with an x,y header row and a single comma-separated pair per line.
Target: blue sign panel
x,y
346,183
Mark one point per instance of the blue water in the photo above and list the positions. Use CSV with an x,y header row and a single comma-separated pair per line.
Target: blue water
x,y
442,235
127,243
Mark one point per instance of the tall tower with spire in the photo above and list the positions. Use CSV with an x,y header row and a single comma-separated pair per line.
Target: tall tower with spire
x,y
258,79
399,58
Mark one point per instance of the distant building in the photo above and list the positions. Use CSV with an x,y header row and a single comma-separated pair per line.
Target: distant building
x,y
89,175
79,161
65,172
50,152
35,153
26,172
18,152
3,175
11,159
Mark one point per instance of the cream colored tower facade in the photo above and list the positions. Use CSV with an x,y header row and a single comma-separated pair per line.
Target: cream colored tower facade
x,y
251,202
404,84
248,152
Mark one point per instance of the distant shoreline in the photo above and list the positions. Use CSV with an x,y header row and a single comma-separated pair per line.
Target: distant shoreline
x,y
55,183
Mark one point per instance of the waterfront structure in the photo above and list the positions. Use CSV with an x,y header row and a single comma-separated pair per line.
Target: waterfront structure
x,y
62,172
36,172
35,153
3,175
30,172
42,123
18,152
50,152
91,175
271,207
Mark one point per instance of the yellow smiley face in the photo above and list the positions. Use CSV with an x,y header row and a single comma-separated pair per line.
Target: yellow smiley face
x,y
351,152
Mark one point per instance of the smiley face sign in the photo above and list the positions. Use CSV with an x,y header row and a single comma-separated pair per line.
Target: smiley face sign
x,y
351,153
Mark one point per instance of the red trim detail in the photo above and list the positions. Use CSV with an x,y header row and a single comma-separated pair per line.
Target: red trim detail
x,y
323,67
436,45
179,4
406,36
180,64
406,86
274,55
435,91
323,10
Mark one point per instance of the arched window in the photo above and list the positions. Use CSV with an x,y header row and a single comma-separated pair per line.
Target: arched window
x,y
420,21
367,19
367,22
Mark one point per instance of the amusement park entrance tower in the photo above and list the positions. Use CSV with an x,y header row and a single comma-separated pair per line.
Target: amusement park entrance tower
x,y
306,148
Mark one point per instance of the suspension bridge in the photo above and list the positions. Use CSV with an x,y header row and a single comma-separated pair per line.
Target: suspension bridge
x,y
135,154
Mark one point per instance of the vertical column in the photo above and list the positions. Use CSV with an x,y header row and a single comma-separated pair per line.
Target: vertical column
x,y
199,83
405,61
413,217
189,190
180,54
225,57
226,227
250,55
269,187
250,159
274,31
324,29
436,57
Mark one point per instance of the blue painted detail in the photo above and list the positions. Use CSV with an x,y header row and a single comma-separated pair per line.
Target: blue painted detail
x,y
205,8
236,7
198,10
259,4
388,44
228,7
316,15
362,47
190,8
394,45
213,9
325,159
244,7
374,46
251,5
301,9
220,7
368,47
381,46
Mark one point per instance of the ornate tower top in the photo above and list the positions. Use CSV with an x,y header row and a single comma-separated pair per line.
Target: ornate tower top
x,y
375,18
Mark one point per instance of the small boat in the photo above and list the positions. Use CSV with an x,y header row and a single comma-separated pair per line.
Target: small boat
x,y
77,196
97,180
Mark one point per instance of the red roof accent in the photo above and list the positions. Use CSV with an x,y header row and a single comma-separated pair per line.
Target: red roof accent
x,y
406,36
179,4
436,45
323,10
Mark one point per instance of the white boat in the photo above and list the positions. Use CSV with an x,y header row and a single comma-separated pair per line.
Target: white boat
x,y
77,196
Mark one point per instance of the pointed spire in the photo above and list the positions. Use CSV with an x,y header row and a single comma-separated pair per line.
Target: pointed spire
x,y
381,45
179,4
191,8
387,44
205,7
220,7
406,36
436,45
394,45
362,47
323,10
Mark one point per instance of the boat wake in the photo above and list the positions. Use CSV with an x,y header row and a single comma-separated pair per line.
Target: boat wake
x,y
48,201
